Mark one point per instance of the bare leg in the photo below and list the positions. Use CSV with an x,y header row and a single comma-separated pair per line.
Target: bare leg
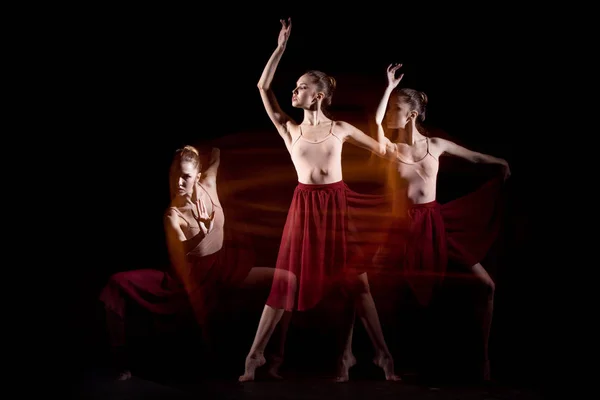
x,y
255,358
262,277
487,312
367,311
284,285
347,360
259,277
276,357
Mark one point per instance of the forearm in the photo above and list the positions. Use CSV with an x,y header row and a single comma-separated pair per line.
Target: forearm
x,y
380,113
267,75
215,157
190,244
487,159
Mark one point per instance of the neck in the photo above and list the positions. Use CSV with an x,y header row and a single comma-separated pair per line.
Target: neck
x,y
409,136
314,117
180,201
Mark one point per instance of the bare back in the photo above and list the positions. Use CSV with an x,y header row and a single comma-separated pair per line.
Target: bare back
x,y
316,152
417,168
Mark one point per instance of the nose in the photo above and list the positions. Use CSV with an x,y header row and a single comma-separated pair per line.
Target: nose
x,y
180,182
295,91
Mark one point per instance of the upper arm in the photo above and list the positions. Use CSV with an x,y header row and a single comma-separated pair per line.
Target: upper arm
x,y
361,139
391,150
175,242
446,146
210,173
173,230
280,119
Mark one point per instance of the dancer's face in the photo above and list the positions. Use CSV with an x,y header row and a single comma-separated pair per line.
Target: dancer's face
x,y
183,178
398,114
305,94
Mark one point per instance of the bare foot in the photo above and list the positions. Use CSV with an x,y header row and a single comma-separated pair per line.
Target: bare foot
x,y
124,375
252,363
274,365
385,362
343,373
486,371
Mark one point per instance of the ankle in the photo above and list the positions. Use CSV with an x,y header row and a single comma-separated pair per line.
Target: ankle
x,y
383,353
256,354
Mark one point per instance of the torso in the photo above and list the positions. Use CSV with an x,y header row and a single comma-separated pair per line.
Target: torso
x,y
317,154
214,239
417,169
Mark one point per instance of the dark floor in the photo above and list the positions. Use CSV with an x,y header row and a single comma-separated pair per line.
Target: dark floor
x,y
443,351
99,386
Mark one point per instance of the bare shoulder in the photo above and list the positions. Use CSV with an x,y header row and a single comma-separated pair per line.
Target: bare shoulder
x,y
289,132
438,141
209,182
343,129
292,128
171,216
438,145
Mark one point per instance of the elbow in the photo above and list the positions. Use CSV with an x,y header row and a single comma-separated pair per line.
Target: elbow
x,y
477,159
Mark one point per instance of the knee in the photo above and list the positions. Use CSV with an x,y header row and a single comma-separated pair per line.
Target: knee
x,y
489,287
360,285
285,281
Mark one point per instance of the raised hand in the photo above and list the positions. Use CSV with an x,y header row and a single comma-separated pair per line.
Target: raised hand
x,y
391,75
284,33
205,221
206,224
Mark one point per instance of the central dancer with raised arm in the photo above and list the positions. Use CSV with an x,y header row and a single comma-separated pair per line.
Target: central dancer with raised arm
x,y
314,254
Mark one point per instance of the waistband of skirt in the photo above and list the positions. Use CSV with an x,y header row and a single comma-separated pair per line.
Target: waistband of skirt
x,y
324,186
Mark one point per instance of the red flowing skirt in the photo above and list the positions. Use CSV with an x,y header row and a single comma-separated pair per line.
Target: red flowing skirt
x,y
323,243
166,293
431,235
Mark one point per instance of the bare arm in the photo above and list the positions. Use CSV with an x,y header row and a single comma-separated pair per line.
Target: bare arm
x,y
361,139
209,176
380,113
178,245
175,242
392,84
279,118
446,146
